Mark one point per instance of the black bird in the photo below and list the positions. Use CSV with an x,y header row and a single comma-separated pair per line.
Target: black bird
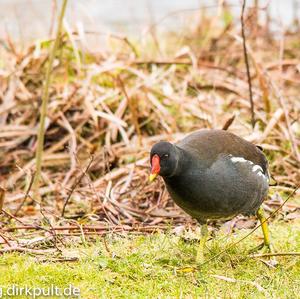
x,y
213,174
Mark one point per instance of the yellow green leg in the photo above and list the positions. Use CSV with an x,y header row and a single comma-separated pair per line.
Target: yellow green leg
x,y
200,251
264,225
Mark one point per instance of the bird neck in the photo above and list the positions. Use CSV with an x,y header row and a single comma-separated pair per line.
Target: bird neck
x,y
180,157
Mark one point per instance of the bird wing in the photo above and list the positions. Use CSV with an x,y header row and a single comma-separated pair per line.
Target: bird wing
x,y
206,145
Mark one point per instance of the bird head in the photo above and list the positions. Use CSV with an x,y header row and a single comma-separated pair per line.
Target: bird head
x,y
163,160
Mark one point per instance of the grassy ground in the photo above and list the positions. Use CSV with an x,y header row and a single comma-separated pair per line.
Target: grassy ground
x,y
153,266
106,109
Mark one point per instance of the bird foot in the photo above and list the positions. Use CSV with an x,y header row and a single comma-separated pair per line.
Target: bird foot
x,y
265,250
256,248
268,248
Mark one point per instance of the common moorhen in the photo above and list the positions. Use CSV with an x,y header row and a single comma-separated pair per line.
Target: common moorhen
x,y
213,174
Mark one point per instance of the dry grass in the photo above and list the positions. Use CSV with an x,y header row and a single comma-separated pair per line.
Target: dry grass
x,y
107,108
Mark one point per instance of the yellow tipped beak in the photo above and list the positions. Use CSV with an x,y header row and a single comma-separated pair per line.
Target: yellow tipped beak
x,y
152,177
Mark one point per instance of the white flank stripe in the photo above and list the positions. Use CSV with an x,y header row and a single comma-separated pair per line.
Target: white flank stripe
x,y
257,167
239,159
254,168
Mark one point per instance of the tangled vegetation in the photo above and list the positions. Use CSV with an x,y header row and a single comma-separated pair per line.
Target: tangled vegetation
x,y
108,107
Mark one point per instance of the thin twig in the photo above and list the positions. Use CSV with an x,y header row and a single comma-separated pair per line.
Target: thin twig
x,y
25,197
247,64
90,227
2,195
58,260
133,110
75,185
11,216
287,120
275,254
5,239
27,250
228,123
53,232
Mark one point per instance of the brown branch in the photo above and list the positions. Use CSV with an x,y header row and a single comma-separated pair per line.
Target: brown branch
x,y
228,123
11,216
26,250
219,86
53,232
89,227
25,197
58,260
133,109
247,64
2,195
75,185
283,105
275,254
5,239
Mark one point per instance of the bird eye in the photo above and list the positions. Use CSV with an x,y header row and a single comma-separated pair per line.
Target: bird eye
x,y
166,155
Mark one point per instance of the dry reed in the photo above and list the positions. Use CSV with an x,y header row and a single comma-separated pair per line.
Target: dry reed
x,y
102,120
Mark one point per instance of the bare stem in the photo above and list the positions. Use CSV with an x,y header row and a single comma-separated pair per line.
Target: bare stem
x,y
45,99
247,64
75,185
133,110
228,123
2,194
25,197
275,254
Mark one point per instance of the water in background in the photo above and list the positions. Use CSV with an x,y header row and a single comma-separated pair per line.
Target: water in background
x,y
25,20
